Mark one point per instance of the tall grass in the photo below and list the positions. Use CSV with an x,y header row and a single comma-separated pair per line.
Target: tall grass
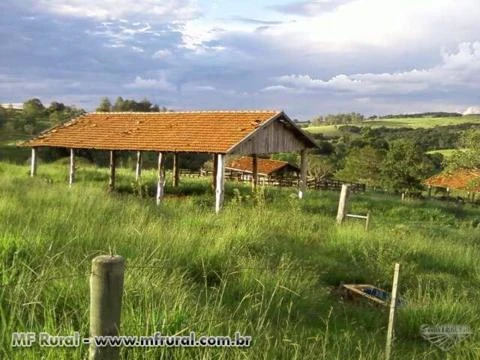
x,y
268,266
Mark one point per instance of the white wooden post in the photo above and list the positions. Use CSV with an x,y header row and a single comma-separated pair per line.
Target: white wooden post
x,y
220,182
393,305
138,167
254,172
342,204
71,178
33,165
303,174
161,177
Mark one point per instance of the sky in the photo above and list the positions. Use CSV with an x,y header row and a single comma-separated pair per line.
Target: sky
x,y
307,58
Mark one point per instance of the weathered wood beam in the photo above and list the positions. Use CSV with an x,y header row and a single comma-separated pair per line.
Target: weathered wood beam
x,y
71,174
220,182
303,174
175,170
214,183
254,172
113,160
161,177
33,164
138,167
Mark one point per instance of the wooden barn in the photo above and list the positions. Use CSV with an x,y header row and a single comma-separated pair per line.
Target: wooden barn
x,y
219,133
266,168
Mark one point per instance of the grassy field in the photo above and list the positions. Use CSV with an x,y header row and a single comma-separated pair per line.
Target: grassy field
x,y
414,123
267,266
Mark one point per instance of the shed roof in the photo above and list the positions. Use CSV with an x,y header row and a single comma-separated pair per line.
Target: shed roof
x,y
264,166
460,179
195,131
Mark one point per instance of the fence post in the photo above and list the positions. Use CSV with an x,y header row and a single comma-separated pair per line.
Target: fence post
x,y
106,288
367,221
393,305
342,204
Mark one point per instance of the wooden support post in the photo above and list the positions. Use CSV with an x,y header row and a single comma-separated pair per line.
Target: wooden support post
x,y
473,197
254,172
220,182
342,204
393,305
71,177
367,221
429,191
214,183
138,167
106,289
33,164
303,174
111,182
175,170
161,177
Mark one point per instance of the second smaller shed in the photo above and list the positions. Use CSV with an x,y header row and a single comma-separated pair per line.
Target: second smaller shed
x,y
267,168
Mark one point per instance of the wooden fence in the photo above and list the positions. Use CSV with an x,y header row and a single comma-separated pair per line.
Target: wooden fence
x,y
312,183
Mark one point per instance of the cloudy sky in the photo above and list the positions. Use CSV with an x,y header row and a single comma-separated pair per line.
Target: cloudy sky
x,y
306,57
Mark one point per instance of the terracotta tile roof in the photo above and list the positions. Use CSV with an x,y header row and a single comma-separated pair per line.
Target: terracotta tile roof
x,y
461,179
264,166
196,131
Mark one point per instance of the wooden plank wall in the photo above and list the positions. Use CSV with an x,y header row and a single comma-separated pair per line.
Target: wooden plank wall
x,y
273,138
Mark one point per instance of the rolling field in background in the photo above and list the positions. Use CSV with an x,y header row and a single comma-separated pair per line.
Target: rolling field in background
x,y
414,123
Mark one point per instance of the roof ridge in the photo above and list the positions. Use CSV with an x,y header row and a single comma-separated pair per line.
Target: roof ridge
x,y
186,112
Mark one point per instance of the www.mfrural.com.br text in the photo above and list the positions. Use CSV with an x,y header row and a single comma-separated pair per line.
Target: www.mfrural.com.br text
x,y
44,339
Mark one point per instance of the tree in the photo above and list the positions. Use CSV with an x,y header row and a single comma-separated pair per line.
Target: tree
x,y
405,166
105,105
320,166
362,165
468,156
3,116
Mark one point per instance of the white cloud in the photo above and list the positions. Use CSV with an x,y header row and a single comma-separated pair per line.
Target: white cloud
x,y
160,83
461,68
159,11
162,54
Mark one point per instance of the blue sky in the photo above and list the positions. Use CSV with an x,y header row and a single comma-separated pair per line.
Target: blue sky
x,y
305,57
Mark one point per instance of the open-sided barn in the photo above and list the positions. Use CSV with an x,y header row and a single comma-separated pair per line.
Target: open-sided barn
x,y
216,132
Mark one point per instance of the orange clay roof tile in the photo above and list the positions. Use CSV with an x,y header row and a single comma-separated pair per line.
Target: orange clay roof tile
x,y
264,166
461,179
196,131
